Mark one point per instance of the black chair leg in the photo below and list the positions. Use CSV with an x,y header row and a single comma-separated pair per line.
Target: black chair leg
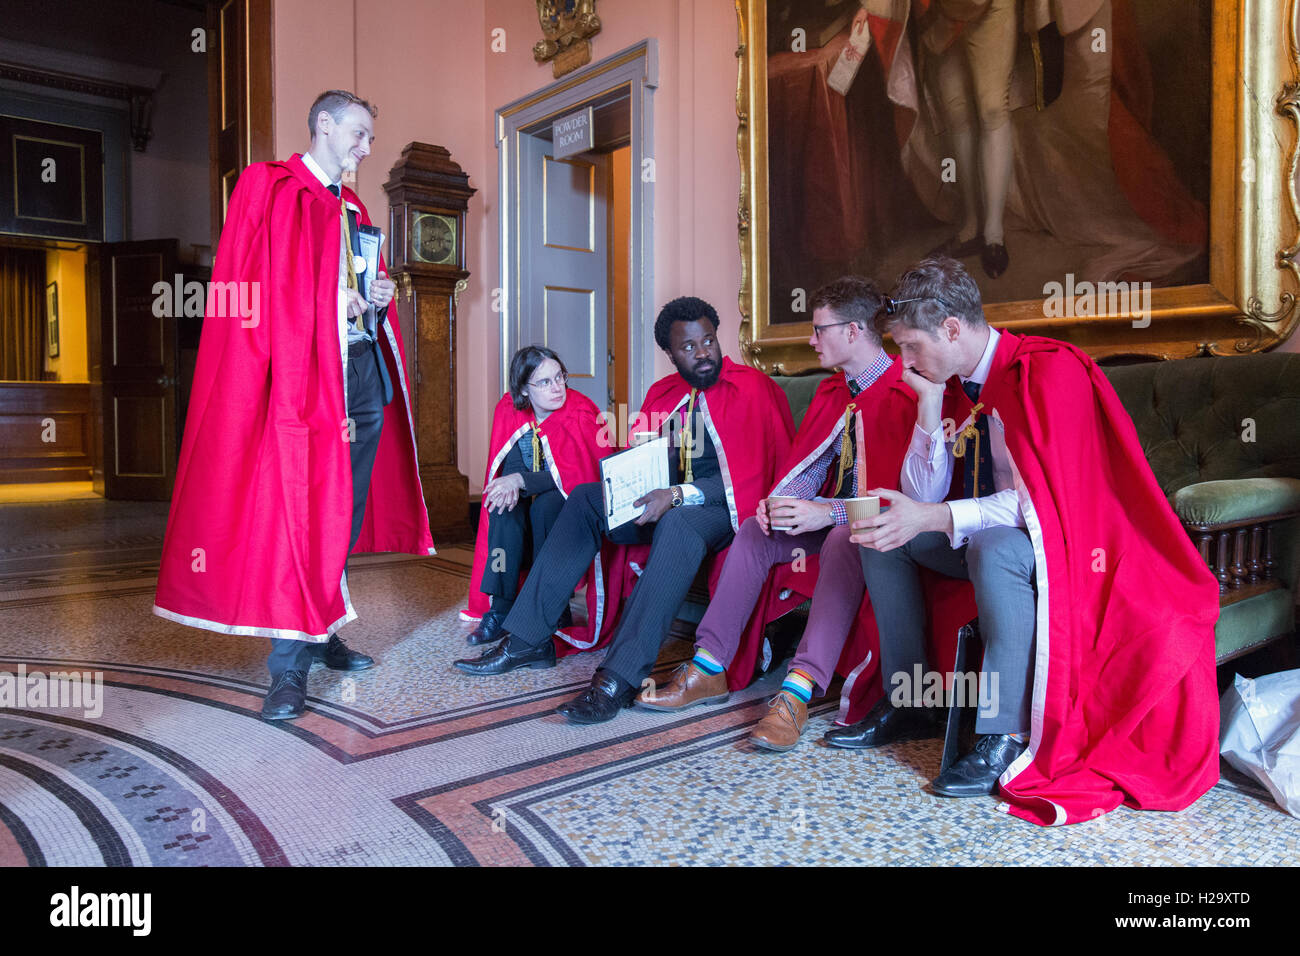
x,y
961,713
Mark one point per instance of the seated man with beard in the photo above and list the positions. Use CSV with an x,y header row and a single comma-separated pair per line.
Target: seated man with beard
x,y
853,437
733,426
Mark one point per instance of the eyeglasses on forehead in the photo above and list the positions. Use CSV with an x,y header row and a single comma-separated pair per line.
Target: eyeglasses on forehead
x,y
890,305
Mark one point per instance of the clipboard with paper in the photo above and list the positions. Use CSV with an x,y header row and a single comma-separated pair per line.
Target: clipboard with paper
x,y
628,475
370,240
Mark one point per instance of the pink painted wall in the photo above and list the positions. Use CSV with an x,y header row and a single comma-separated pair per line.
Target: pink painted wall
x,y
436,79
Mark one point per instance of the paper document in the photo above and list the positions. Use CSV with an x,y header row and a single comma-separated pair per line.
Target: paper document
x,y
629,475
370,239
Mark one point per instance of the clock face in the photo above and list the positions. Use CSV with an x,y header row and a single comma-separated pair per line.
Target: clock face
x,y
433,238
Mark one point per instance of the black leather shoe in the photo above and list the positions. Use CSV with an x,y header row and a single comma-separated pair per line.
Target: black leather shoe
x,y
337,656
995,259
607,695
976,774
884,725
287,697
954,248
490,629
508,655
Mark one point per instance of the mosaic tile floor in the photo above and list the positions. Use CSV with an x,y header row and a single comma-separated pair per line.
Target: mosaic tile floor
x,y
414,763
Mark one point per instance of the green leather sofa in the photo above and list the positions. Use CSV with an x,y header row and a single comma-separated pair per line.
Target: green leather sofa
x,y
1222,436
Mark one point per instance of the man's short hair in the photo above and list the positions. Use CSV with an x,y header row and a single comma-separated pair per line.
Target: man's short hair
x,y
684,309
336,103
854,299
929,292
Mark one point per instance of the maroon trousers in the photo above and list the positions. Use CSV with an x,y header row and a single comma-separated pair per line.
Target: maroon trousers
x,y
835,603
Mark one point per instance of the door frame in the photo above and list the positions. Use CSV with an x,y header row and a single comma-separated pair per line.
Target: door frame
x,y
636,67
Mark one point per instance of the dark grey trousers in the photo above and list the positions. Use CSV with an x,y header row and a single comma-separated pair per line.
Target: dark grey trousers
x,y
999,563
679,542
366,409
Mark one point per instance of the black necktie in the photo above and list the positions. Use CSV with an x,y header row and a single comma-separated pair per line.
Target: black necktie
x,y
972,390
334,189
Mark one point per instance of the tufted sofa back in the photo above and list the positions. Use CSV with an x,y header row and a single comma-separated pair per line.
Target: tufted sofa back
x,y
1189,415
1193,416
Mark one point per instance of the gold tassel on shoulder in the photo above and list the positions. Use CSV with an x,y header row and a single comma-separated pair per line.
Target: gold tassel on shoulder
x,y
683,453
846,447
959,446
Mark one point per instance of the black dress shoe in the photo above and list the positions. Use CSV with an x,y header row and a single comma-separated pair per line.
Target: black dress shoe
x,y
954,248
490,629
287,697
337,656
508,655
884,725
995,259
607,695
976,774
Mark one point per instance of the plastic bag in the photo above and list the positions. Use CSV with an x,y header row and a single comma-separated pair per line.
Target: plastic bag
x,y
1259,733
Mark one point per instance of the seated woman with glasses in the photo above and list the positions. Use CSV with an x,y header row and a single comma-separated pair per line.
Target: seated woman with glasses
x,y
545,441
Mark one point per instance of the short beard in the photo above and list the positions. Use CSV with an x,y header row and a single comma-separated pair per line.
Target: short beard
x,y
695,380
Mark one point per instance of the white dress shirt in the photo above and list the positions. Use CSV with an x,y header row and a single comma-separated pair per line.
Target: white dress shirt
x,y
350,330
929,463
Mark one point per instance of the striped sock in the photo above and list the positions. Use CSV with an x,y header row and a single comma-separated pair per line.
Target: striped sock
x,y
798,684
707,662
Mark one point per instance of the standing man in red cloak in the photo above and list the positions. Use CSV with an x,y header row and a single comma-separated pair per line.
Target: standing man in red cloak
x,y
853,436
1096,613
294,418
730,425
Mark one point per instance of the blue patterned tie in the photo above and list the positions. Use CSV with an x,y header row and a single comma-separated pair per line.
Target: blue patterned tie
x,y
972,390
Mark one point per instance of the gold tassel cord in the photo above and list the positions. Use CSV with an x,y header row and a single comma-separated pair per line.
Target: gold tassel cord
x,y
537,446
845,448
683,453
959,446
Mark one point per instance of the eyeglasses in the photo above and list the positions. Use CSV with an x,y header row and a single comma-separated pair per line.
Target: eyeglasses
x,y
545,383
890,306
819,329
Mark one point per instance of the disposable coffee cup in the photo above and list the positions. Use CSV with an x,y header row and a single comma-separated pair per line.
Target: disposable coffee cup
x,y
859,509
640,438
774,502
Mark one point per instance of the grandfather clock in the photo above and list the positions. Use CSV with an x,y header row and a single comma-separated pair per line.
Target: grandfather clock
x,y
428,195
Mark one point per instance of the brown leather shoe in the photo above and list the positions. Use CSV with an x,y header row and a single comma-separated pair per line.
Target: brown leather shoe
x,y
785,720
687,687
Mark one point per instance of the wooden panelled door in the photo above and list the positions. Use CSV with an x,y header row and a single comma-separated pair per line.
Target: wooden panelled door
x,y
239,95
133,368
564,262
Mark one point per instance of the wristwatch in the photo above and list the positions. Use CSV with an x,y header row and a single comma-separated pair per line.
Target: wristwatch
x,y
676,492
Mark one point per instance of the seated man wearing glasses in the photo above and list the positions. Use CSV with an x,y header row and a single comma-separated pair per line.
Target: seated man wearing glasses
x,y
1096,613
732,424
853,435
545,442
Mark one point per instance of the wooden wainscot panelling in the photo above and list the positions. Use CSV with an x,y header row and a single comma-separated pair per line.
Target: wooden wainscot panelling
x,y
44,431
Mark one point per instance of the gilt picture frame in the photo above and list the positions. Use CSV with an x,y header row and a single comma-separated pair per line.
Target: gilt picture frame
x,y
1245,297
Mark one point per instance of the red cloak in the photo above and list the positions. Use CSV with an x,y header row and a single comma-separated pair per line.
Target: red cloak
x,y
749,421
570,438
884,429
1125,705
261,515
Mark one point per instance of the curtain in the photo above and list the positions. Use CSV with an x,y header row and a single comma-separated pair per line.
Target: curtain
x,y
22,314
